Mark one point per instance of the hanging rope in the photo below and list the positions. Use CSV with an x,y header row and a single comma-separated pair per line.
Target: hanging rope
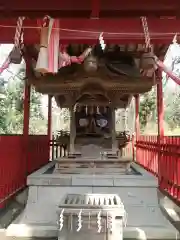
x,y
146,33
18,38
158,62
18,41
15,55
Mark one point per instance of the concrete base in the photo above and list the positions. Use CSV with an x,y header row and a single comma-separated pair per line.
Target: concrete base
x,y
138,193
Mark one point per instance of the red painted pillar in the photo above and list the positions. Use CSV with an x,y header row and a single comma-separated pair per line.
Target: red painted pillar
x,y
49,128
137,126
49,116
27,96
160,112
160,105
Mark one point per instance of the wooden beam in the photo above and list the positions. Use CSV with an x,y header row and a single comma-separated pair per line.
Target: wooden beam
x,y
86,31
81,8
112,14
49,127
95,8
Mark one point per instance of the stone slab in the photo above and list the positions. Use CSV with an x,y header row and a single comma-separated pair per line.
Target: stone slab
x,y
52,180
92,181
134,182
40,178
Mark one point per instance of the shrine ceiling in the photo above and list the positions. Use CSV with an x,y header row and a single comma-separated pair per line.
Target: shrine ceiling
x,y
90,8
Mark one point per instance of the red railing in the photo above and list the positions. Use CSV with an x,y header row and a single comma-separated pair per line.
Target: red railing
x,y
38,152
147,153
163,160
17,161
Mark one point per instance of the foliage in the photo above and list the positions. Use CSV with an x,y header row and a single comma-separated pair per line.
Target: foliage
x,y
172,111
147,107
11,115
65,114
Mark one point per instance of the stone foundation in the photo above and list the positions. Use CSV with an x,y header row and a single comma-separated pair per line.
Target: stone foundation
x,y
137,192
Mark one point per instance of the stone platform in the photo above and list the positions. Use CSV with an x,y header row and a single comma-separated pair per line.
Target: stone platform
x,y
138,192
93,166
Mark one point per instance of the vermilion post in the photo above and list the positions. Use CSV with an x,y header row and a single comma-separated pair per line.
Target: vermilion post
x,y
160,112
27,96
49,117
137,125
160,106
49,128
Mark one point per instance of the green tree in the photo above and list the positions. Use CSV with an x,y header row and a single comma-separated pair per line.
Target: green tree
x,y
147,107
11,115
172,110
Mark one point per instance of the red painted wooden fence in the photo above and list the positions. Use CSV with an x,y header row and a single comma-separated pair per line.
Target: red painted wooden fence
x,y
163,160
16,162
38,152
